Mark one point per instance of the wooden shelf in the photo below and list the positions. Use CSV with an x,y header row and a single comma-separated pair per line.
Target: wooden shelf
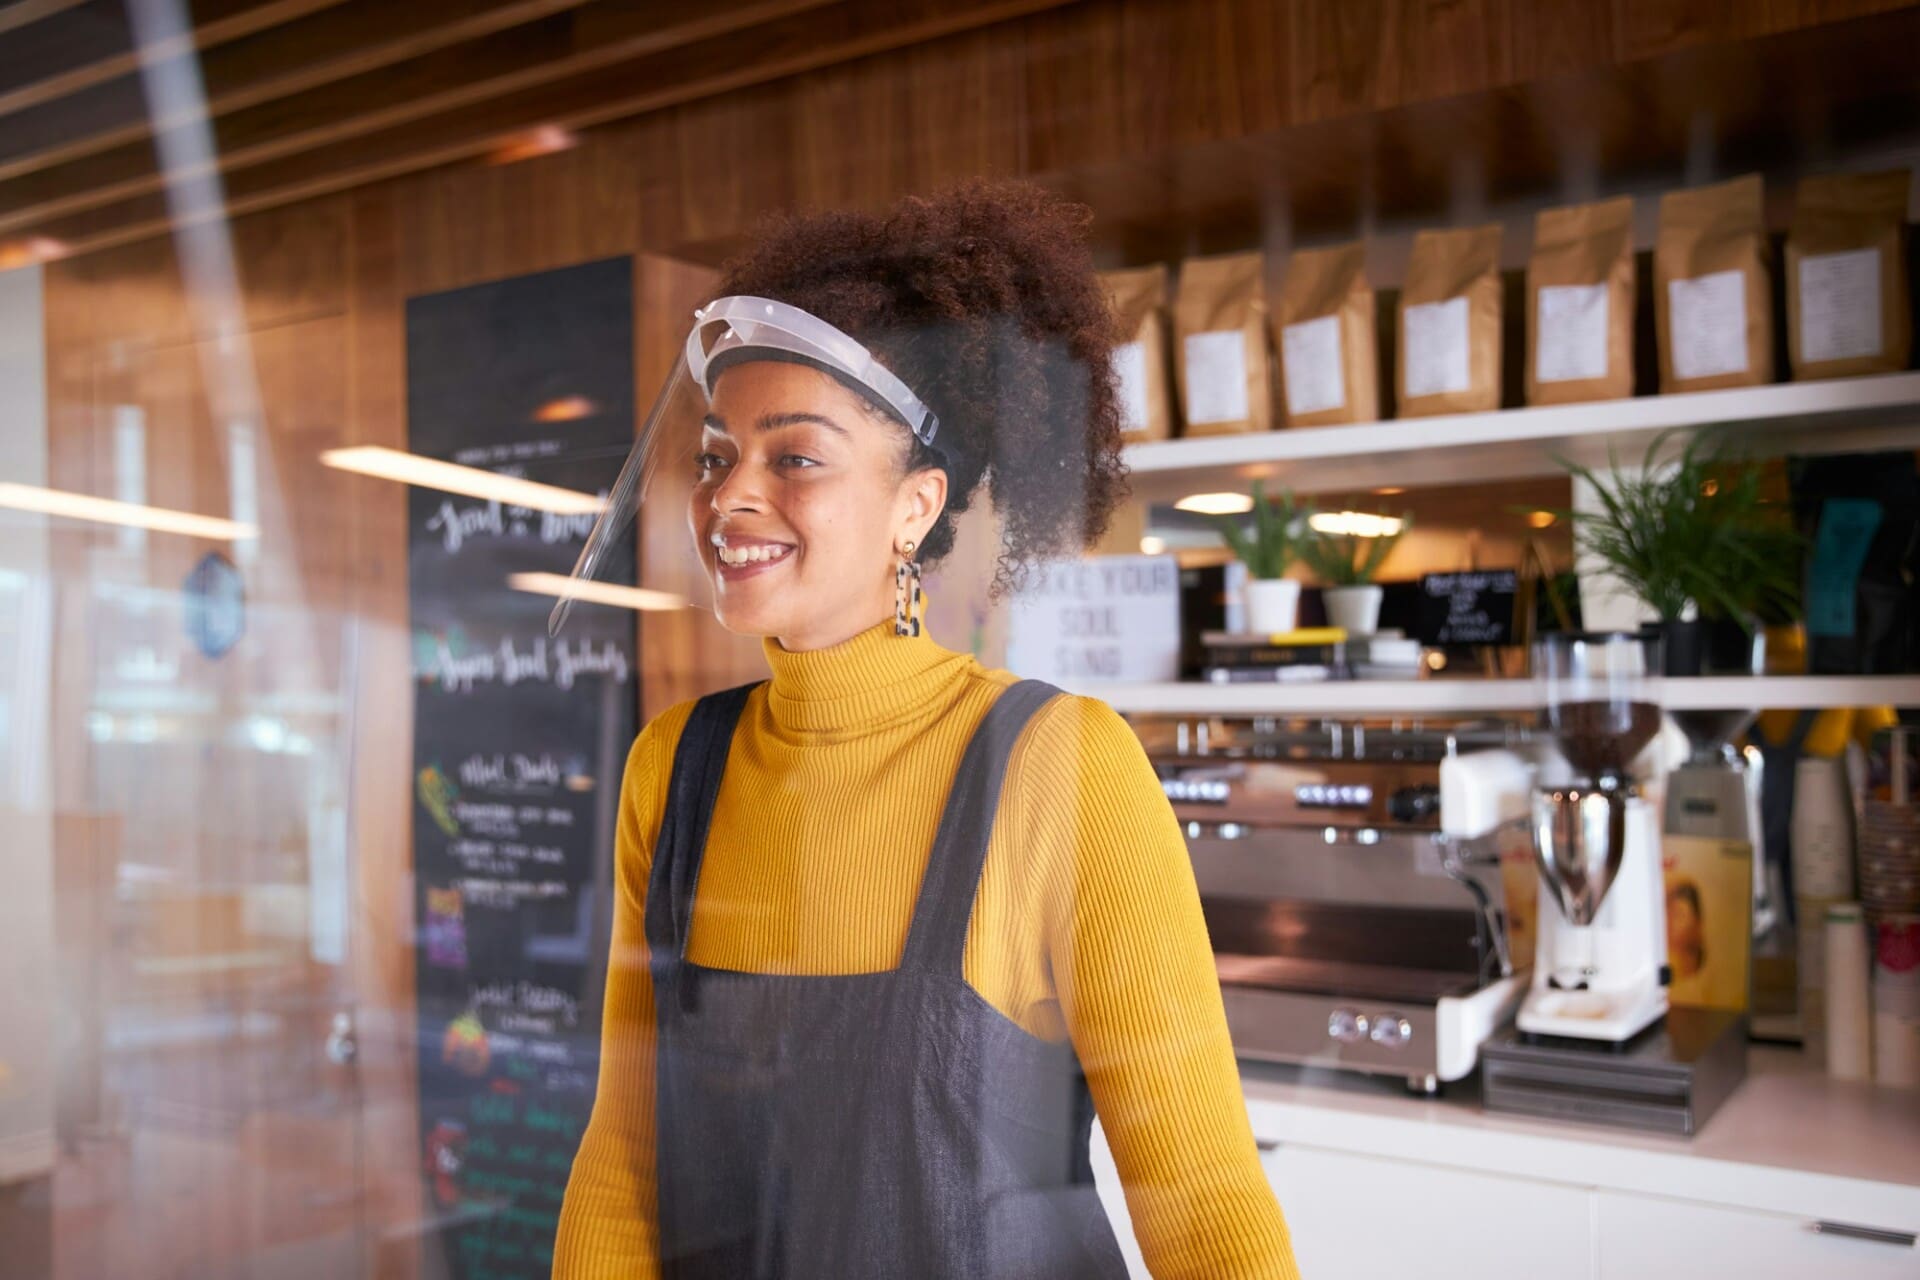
x,y
1460,696
1839,416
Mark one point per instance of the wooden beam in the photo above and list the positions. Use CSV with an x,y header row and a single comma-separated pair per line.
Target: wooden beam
x,y
21,12
670,77
351,38
438,81
92,42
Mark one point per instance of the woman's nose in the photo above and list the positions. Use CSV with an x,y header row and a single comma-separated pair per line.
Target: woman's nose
x,y
739,491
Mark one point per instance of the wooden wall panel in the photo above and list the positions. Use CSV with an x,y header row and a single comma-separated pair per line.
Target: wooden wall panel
x,y
965,109
1345,59
382,766
1451,47
1648,28
1553,37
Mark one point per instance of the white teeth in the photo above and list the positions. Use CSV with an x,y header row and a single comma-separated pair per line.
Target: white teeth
x,y
747,555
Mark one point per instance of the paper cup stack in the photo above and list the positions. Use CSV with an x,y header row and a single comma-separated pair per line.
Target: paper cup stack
x,y
1889,864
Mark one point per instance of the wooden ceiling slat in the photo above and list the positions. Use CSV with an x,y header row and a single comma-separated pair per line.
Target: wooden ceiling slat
x,y
21,12
469,74
93,42
719,64
351,38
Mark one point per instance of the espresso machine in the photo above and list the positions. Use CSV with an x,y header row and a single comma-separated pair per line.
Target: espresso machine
x,y
1357,922
1599,970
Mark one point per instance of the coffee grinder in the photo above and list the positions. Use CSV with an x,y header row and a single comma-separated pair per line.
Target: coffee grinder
x,y
1594,1040
1600,959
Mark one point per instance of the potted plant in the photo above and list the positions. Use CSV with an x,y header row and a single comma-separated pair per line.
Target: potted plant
x,y
1346,561
1279,531
1698,541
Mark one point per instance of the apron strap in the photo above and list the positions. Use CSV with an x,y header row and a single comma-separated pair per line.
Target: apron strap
x,y
937,938
699,761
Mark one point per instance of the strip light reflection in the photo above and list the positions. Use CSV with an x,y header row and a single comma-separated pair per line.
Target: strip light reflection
x,y
558,584
450,477
1358,524
80,506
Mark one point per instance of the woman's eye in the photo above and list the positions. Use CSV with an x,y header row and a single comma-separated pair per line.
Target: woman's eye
x,y
797,460
708,461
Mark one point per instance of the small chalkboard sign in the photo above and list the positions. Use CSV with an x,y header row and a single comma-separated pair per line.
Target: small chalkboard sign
x,y
1471,607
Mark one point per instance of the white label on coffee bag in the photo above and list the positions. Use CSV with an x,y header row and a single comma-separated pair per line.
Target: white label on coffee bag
x,y
1315,380
1570,333
1436,338
1840,305
1707,319
1130,371
1216,376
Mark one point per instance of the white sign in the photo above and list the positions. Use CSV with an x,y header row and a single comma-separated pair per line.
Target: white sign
x,y
1105,618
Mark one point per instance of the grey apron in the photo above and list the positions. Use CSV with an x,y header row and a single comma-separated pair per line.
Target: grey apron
x,y
877,1125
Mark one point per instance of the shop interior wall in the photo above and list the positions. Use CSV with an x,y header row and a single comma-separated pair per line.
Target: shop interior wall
x,y
323,285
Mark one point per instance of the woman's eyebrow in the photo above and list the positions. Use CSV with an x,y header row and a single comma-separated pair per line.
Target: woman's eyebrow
x,y
773,421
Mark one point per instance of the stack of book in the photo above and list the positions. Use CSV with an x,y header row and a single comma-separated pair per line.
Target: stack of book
x,y
1309,654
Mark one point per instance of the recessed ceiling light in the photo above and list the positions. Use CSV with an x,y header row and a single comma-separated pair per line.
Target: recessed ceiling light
x,y
541,141
1215,504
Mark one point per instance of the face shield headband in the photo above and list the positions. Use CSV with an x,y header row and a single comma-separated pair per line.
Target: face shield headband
x,y
724,332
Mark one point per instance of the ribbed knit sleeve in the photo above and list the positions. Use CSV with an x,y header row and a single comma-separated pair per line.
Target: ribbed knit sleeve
x,y
1134,973
607,1219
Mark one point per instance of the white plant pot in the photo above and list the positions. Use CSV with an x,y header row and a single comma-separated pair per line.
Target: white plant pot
x,y
1273,604
1356,610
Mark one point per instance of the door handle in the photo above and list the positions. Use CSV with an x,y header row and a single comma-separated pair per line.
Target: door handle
x,y
1879,1235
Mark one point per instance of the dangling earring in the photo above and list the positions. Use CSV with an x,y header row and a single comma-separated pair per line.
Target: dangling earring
x,y
906,594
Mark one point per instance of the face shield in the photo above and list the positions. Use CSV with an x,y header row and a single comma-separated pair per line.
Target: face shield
x,y
724,331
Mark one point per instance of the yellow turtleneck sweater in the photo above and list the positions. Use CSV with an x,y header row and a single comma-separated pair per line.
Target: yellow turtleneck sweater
x,y
1087,924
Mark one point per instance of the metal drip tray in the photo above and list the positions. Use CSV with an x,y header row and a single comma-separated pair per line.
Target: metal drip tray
x,y
1342,979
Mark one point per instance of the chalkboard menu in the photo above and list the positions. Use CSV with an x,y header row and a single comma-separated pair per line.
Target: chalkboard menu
x,y
1473,607
518,746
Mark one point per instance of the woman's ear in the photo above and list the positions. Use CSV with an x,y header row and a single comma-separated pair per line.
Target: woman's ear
x,y
924,497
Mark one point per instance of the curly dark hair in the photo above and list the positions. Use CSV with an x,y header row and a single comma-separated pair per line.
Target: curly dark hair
x,y
982,298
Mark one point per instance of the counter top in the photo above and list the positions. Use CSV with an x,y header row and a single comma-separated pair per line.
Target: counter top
x,y
1789,1140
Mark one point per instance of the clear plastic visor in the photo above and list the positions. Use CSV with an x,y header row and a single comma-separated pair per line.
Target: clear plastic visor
x,y
652,487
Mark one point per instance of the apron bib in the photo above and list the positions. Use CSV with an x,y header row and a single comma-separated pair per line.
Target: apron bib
x,y
869,1126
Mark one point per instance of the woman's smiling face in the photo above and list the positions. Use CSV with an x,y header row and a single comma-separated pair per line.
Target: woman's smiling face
x,y
799,505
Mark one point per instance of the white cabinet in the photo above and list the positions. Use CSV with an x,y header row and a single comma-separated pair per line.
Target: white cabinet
x,y
1644,1238
1572,1212
1358,1216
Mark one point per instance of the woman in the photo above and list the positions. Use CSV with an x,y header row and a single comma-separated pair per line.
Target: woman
x,y
938,910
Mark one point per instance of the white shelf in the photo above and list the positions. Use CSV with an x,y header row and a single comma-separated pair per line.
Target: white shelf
x,y
1464,696
1837,416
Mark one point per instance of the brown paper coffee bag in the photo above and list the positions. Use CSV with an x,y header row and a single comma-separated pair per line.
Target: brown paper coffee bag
x,y
1847,276
1580,284
1221,356
1449,354
1712,302
1329,365
1140,361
